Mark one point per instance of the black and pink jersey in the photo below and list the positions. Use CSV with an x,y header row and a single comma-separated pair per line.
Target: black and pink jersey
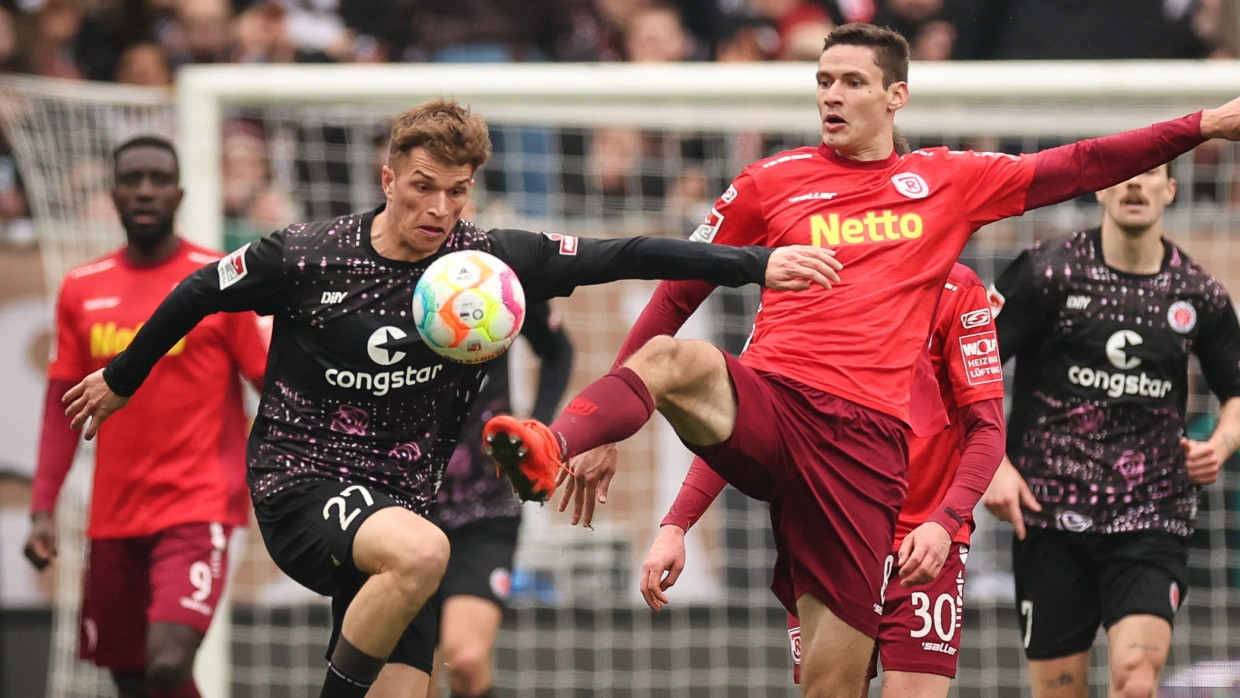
x,y
1101,382
352,393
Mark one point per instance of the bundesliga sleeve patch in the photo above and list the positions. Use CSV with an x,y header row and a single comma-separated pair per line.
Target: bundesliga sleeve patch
x,y
232,268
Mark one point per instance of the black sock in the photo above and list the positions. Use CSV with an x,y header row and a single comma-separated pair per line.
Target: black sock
x,y
337,685
350,671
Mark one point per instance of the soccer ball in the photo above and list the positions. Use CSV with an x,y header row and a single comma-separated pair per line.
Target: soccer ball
x,y
468,306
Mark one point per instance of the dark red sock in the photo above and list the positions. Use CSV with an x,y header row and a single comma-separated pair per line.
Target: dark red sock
x,y
610,409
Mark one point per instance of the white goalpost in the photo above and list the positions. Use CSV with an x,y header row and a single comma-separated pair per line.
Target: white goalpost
x,y
617,150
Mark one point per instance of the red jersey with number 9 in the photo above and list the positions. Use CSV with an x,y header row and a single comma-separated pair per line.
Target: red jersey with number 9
x,y
176,453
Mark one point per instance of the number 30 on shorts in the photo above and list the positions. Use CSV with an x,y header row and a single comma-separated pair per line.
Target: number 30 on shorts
x,y
341,504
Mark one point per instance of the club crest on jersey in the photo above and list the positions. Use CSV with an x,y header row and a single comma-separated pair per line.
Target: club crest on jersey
x,y
911,185
1174,593
568,243
1182,316
232,268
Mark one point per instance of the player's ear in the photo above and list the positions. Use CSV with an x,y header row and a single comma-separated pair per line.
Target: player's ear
x,y
387,176
897,95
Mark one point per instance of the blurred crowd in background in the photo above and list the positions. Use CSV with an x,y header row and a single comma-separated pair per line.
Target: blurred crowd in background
x,y
143,42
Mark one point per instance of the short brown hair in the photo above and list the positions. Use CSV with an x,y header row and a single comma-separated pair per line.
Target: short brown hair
x,y
890,49
449,132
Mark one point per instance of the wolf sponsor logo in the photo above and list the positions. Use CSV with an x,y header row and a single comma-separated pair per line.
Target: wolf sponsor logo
x,y
911,185
980,354
232,269
709,228
1182,316
871,226
975,318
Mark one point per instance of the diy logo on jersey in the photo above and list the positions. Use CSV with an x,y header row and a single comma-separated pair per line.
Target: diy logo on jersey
x,y
108,340
871,226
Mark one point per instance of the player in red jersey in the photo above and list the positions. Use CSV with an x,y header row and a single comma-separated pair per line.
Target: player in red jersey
x,y
820,397
163,504
919,634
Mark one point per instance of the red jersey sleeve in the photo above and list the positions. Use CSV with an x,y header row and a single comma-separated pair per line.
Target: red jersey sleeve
x,y
701,486
70,358
970,344
57,446
248,340
973,377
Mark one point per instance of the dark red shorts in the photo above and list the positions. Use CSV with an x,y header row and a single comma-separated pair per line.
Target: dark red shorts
x,y
173,576
834,473
920,629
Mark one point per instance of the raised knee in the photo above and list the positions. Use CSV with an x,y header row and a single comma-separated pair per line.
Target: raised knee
x,y
658,352
421,564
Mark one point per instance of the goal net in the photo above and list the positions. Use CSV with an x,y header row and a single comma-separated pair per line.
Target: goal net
x,y
617,150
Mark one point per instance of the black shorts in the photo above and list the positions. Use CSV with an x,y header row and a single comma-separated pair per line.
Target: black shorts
x,y
1068,584
481,560
309,530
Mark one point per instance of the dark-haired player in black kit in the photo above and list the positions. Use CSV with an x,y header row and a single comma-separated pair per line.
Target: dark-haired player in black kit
x,y
481,515
1102,484
358,416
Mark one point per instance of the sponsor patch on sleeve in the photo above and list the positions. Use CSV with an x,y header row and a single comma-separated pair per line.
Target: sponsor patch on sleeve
x,y
980,355
709,228
568,243
232,268
975,318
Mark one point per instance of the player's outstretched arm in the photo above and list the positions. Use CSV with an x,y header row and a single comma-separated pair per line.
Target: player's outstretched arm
x,y
1007,493
663,565
1222,122
90,402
